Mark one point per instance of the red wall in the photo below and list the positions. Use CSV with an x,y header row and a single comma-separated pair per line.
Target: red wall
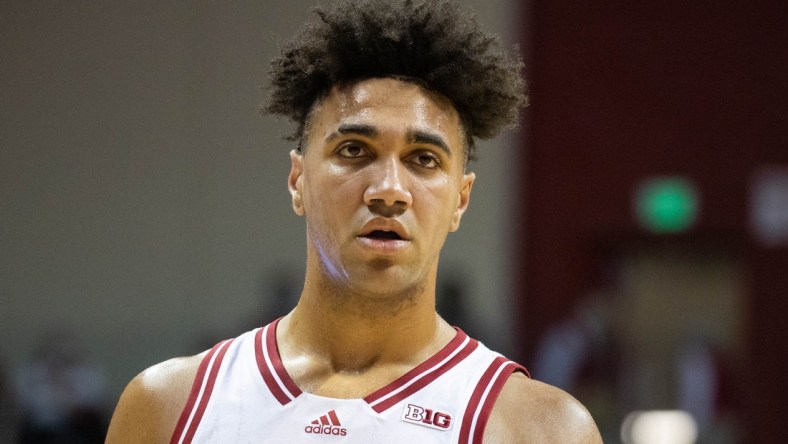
x,y
623,90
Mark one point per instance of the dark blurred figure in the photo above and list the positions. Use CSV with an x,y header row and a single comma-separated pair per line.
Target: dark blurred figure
x,y
450,301
581,355
7,408
708,388
279,293
60,393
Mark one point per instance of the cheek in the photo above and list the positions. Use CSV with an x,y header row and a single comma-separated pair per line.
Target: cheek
x,y
328,195
437,202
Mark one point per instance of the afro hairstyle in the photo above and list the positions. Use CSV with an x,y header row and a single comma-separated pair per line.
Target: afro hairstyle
x,y
436,43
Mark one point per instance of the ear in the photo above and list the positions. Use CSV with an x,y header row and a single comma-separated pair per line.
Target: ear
x,y
295,181
465,198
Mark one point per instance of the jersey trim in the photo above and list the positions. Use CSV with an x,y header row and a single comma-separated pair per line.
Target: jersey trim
x,y
453,353
282,387
285,390
483,399
200,394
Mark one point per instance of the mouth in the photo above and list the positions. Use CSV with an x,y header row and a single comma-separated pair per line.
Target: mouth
x,y
383,235
380,240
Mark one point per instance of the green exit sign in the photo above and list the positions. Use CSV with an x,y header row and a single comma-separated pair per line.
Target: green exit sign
x,y
667,204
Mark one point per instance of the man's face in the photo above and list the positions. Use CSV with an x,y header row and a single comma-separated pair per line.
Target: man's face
x,y
381,182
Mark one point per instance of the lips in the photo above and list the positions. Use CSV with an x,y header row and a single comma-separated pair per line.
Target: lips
x,y
384,236
384,229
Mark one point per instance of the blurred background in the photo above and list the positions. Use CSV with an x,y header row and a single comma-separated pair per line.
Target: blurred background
x,y
629,243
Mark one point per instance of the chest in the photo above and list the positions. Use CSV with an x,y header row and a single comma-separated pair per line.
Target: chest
x,y
309,418
246,396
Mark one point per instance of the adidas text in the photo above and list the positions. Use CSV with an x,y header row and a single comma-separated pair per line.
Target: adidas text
x,y
326,430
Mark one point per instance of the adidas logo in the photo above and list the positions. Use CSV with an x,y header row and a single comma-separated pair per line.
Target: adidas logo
x,y
327,424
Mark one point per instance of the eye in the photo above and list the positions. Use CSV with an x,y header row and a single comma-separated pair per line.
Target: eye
x,y
352,150
426,160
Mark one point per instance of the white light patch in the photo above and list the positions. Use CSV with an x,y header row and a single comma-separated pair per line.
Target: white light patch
x,y
769,205
659,427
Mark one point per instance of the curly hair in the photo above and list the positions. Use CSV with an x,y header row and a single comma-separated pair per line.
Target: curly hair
x,y
438,44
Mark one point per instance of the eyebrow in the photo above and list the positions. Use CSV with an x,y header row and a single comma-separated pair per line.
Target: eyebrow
x,y
415,136
362,130
429,139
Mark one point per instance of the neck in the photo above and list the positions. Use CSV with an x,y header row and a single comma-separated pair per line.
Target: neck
x,y
351,332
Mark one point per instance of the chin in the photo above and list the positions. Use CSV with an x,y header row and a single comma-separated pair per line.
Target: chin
x,y
386,281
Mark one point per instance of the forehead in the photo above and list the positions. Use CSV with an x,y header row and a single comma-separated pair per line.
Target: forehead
x,y
390,105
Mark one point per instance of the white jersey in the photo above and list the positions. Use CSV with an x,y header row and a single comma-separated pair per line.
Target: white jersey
x,y
243,394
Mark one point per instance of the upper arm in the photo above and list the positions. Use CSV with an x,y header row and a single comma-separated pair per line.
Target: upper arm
x,y
151,404
531,411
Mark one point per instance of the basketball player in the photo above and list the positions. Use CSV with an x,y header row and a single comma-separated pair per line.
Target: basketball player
x,y
388,97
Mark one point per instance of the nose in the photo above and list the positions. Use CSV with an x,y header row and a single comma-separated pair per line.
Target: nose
x,y
388,193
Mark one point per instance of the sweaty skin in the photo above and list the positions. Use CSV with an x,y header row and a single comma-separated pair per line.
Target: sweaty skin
x,y
381,183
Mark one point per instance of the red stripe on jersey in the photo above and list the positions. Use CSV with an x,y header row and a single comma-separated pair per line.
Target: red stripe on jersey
x,y
483,399
200,393
424,373
265,372
271,369
334,418
492,396
276,361
193,394
470,412
266,369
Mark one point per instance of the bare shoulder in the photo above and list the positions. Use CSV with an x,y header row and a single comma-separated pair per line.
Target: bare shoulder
x,y
151,404
531,411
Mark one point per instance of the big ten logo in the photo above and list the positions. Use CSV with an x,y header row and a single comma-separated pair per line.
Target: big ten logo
x,y
427,417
